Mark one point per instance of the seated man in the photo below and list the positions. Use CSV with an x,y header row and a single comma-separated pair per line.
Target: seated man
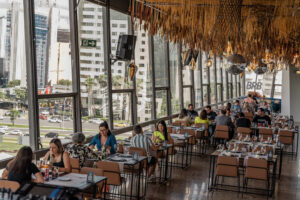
x,y
242,121
261,118
225,120
211,115
236,107
191,112
142,141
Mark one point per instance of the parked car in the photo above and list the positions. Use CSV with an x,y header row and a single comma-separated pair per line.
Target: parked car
x,y
44,117
55,120
7,113
15,132
51,135
96,121
2,132
1,117
45,112
121,125
4,128
66,118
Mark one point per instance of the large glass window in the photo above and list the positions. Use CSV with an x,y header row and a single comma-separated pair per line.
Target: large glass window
x,y
161,103
93,76
186,96
160,62
13,82
53,49
122,104
56,120
212,83
174,78
143,76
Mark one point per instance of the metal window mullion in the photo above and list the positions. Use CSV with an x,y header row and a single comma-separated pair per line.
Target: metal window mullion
x,y
167,61
152,66
201,75
33,109
180,77
222,87
208,86
231,87
193,87
227,85
273,85
236,86
216,80
107,60
77,126
244,84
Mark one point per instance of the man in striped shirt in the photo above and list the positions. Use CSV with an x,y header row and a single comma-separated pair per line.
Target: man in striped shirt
x,y
142,141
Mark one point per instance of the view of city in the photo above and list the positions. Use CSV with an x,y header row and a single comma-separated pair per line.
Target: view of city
x,y
54,70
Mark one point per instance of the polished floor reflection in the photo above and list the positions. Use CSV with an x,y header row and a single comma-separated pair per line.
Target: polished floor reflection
x,y
191,183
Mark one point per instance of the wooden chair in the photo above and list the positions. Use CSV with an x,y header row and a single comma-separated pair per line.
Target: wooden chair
x,y
205,134
169,129
13,185
286,137
222,133
75,166
244,131
177,123
265,132
227,167
111,170
141,152
257,169
99,189
249,116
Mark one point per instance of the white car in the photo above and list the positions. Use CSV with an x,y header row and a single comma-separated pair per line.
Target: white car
x,y
15,132
4,128
45,112
1,117
96,121
55,120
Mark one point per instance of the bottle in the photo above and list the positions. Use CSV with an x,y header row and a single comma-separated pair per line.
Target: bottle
x,y
50,175
103,153
46,177
51,159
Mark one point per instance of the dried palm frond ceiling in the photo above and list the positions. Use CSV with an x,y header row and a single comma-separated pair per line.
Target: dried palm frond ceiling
x,y
252,28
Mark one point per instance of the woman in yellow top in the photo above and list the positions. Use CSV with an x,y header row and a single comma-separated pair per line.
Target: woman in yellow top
x,y
161,133
202,119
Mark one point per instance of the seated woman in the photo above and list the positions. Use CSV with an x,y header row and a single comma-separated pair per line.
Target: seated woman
x,y
78,150
104,139
60,158
161,134
202,119
183,117
21,168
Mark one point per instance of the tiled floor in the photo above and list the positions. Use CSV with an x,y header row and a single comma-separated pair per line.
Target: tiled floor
x,y
191,183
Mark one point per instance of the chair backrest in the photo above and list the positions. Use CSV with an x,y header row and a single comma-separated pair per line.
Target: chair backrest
x,y
244,130
286,136
177,123
191,132
13,185
205,130
111,170
265,132
222,131
169,129
97,171
256,169
227,166
249,116
141,151
75,166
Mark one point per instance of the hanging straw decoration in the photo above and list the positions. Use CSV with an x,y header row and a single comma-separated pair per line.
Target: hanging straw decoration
x,y
251,25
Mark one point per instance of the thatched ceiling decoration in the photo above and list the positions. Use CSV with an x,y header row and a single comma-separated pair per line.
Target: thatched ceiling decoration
x,y
251,26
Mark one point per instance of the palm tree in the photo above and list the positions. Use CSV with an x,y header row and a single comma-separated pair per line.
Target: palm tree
x,y
89,87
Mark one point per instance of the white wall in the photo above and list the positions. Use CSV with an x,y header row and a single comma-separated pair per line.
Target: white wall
x,y
291,93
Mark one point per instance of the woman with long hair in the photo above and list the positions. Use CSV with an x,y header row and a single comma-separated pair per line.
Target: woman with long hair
x,y
202,119
59,157
161,134
21,168
183,117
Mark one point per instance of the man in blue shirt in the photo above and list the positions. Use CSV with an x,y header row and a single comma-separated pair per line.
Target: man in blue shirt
x,y
236,107
106,138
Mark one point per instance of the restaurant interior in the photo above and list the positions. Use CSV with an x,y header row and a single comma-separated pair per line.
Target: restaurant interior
x,y
149,99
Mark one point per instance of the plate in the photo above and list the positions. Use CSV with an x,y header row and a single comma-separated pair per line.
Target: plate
x,y
64,179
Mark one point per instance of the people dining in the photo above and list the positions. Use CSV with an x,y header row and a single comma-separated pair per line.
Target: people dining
x,y
21,168
78,150
211,115
228,106
183,117
248,108
161,134
222,119
142,141
57,156
249,99
242,121
104,140
236,107
202,119
191,112
262,118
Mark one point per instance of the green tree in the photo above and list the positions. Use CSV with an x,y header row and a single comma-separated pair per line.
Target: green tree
x,y
102,80
2,95
13,115
64,82
13,83
90,82
21,94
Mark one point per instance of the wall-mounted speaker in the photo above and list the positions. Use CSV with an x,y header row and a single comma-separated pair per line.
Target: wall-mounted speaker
x,y
126,46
